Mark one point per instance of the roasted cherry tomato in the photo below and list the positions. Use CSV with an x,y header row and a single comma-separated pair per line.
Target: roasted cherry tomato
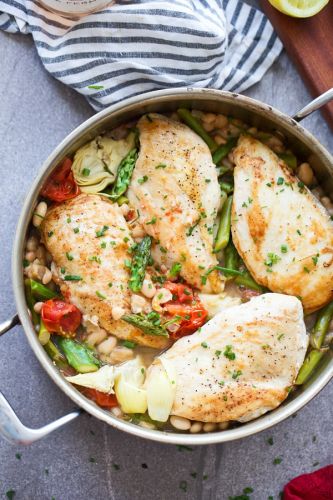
x,y
61,317
100,398
61,186
180,292
186,305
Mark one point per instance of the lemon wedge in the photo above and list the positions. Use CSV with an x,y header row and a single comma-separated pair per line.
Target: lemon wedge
x,y
299,8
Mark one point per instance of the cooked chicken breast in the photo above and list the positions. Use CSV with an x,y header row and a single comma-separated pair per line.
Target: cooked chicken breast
x,y
242,362
176,192
89,239
283,234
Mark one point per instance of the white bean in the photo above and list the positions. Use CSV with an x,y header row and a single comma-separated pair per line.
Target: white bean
x,y
41,254
96,337
180,423
38,307
221,121
120,354
209,118
305,173
30,256
219,139
147,425
39,214
223,425
208,126
162,296
209,427
117,312
138,304
196,427
47,277
148,288
253,130
107,346
32,244
116,411
326,202
138,232
124,208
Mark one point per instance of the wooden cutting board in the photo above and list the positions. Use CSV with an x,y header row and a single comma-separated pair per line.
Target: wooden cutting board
x,y
309,43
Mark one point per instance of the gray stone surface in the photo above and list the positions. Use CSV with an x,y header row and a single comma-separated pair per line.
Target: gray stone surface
x,y
36,113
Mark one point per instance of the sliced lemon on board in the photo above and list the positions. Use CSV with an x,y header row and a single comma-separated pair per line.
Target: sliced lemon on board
x,y
299,8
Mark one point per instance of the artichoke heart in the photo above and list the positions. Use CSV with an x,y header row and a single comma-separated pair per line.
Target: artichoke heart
x,y
161,389
102,380
130,393
95,164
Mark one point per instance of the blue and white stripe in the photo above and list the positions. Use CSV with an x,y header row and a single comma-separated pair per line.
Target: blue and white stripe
x,y
136,46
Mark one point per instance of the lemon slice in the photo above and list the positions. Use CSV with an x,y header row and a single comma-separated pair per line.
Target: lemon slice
x,y
299,8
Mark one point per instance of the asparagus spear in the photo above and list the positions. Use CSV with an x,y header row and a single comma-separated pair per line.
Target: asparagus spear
x,y
290,159
195,125
242,278
223,233
31,302
146,324
317,338
124,174
40,291
80,357
223,150
227,187
140,261
321,326
246,280
231,257
43,334
309,364
57,357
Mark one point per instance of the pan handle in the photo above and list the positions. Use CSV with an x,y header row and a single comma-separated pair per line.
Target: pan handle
x,y
11,427
314,105
14,431
9,324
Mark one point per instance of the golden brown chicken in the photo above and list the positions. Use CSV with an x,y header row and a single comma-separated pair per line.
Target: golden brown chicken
x,y
89,240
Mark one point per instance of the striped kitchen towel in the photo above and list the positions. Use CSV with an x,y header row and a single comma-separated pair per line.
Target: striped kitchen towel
x,y
135,46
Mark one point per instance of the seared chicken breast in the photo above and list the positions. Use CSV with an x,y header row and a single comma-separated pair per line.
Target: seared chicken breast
x,y
283,234
89,240
176,193
242,362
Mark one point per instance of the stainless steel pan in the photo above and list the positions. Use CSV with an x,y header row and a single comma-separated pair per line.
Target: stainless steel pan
x,y
251,111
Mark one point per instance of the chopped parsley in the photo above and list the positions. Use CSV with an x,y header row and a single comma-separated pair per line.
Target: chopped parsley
x,y
306,270
280,181
102,231
299,232
152,221
50,233
100,295
68,220
85,172
116,466
315,259
10,494
129,344
72,277
110,284
284,249
183,447
269,184
163,250
270,441
161,165
94,258
272,259
175,269
69,256
204,345
103,244
183,485
228,353
236,374
76,230
96,87
18,456
280,336
143,179
277,460
26,263
218,353
207,181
